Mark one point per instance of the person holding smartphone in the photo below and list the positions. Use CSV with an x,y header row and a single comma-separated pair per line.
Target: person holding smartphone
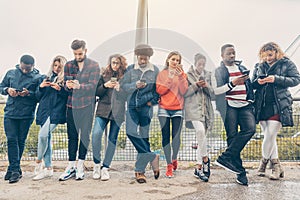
x,y
139,84
80,107
110,109
51,112
272,77
199,112
234,101
171,85
20,85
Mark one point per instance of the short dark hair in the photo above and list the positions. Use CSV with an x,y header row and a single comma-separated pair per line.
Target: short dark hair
x,y
224,47
199,56
77,44
143,49
27,59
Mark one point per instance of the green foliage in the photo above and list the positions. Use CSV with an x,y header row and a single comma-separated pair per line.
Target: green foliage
x,y
288,149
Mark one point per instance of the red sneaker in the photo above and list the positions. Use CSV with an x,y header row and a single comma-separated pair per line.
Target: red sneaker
x,y
169,172
175,164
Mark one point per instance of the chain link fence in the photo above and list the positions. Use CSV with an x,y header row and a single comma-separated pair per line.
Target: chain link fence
x,y
288,142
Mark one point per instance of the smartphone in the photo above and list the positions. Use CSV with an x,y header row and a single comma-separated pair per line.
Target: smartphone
x,y
18,90
263,76
201,78
143,80
69,78
113,79
47,79
246,72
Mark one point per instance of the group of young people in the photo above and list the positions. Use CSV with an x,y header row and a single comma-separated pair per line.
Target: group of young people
x,y
68,94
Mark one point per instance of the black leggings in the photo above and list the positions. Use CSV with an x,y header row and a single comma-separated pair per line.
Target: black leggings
x,y
176,130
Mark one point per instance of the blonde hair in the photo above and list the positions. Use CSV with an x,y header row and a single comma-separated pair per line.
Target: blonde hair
x,y
60,76
270,46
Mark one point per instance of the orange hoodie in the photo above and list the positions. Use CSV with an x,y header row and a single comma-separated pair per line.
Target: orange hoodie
x,y
171,90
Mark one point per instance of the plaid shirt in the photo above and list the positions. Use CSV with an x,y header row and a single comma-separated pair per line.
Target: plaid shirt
x,y
88,78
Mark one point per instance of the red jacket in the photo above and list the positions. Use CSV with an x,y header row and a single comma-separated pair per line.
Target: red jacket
x,y
171,90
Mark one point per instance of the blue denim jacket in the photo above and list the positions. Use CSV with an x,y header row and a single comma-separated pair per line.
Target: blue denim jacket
x,y
140,97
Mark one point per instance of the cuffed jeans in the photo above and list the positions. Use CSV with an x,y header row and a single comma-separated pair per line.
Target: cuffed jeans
x,y
137,130
99,126
236,141
79,123
44,142
16,131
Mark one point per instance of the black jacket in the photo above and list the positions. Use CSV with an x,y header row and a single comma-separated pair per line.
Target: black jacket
x,y
111,103
52,103
286,75
20,107
222,78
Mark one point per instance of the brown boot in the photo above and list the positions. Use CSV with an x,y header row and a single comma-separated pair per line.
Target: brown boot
x,y
262,167
277,170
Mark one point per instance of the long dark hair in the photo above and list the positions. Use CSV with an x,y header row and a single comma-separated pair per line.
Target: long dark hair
x,y
110,72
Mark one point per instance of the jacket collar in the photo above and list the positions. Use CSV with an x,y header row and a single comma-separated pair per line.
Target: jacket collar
x,y
148,67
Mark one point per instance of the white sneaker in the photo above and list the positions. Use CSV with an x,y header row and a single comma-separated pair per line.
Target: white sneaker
x,y
80,172
44,174
38,168
96,172
104,174
69,173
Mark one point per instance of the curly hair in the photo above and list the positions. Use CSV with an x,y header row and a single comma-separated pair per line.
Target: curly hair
x,y
176,53
123,64
270,46
60,76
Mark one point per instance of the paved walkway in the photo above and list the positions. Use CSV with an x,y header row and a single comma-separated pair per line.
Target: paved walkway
x,y
122,185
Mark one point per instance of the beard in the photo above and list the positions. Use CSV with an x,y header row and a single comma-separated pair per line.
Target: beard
x,y
143,65
80,60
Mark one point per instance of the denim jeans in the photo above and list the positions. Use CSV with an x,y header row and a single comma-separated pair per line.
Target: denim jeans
x,y
99,126
16,131
236,140
44,142
137,130
79,121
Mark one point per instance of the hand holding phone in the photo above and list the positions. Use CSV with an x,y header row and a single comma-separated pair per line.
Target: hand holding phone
x,y
246,72
68,78
113,79
263,76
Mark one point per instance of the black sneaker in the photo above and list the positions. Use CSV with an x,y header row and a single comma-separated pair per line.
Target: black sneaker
x,y
227,164
15,177
242,179
206,168
8,175
199,174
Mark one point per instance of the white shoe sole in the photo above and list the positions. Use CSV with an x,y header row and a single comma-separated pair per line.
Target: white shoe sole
x,y
220,165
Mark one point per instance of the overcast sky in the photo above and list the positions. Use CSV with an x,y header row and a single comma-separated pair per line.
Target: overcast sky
x,y
46,28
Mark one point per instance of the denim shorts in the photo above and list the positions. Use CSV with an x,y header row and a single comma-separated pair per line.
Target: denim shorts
x,y
169,113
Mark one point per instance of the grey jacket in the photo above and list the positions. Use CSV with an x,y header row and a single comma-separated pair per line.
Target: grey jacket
x,y
198,106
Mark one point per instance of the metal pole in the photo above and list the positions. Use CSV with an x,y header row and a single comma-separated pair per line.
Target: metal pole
x,y
142,23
